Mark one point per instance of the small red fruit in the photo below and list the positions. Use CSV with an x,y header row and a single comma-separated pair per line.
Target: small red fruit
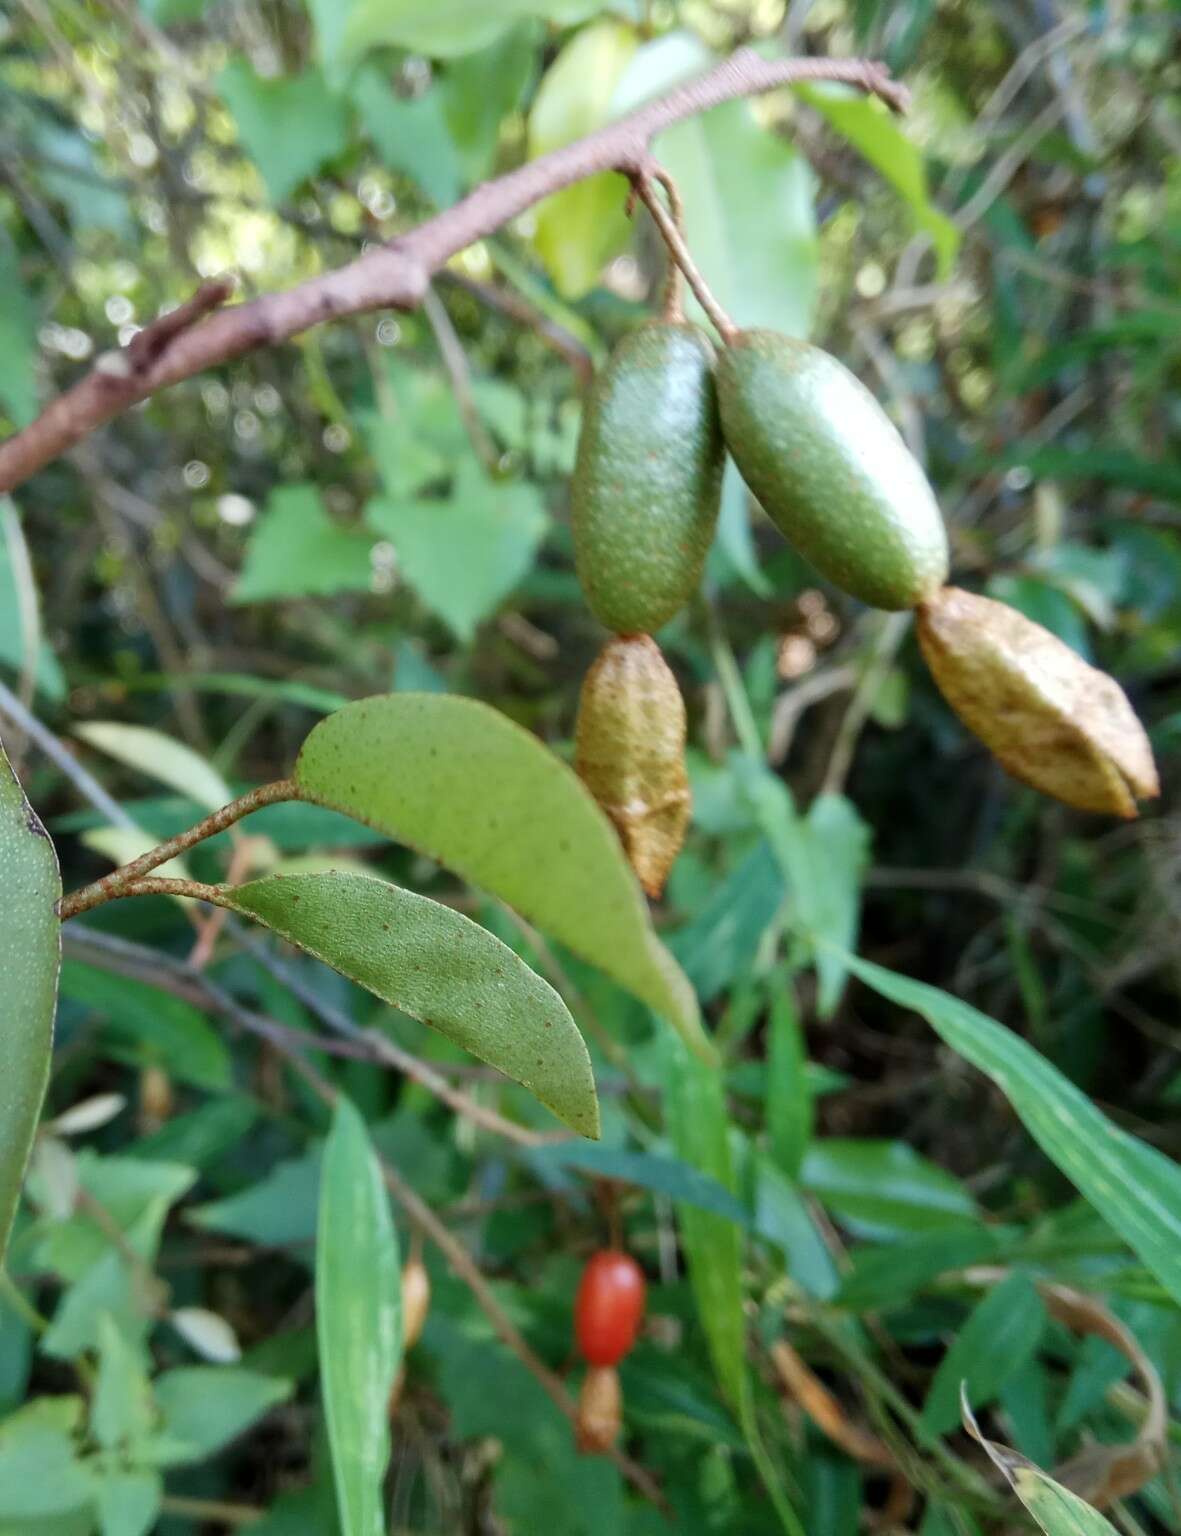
x,y
609,1307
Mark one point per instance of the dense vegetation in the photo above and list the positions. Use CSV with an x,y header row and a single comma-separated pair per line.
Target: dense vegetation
x,y
879,1194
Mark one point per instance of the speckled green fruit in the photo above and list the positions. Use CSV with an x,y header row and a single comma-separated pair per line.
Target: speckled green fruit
x,y
830,469
648,477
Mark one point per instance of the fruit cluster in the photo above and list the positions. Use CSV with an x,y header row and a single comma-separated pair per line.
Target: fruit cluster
x,y
835,477
607,1315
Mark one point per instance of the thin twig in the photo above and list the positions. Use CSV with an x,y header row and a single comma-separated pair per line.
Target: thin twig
x,y
120,881
456,364
670,231
60,755
396,275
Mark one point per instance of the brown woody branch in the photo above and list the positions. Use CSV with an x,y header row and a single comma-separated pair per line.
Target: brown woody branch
x,y
191,339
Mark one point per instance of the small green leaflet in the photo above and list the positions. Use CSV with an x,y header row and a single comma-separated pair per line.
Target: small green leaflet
x,y
1135,1188
463,555
999,1337
289,126
462,783
298,551
358,1319
437,966
30,957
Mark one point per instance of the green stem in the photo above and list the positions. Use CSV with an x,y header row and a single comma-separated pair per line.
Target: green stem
x,y
120,881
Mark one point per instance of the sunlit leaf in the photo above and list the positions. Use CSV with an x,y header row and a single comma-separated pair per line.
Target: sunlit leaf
x,y
411,135
298,551
438,966
161,757
30,956
753,235
289,126
358,1319
579,229
465,554
869,126
462,783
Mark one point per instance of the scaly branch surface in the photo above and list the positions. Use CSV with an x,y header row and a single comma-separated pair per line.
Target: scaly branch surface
x,y
202,334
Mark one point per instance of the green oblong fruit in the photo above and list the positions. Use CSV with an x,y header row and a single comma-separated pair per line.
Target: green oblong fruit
x,y
648,477
831,469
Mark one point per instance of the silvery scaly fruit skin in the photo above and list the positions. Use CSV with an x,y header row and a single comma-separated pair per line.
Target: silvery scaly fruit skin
x,y
830,469
629,750
1051,719
648,477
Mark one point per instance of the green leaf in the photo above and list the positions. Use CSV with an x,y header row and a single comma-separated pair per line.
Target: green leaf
x,y
789,1097
734,539
438,966
1135,1188
467,786
289,126
481,89
122,1411
18,341
204,1407
298,551
884,1187
128,1502
18,589
663,1175
410,135
464,555
110,1287
1057,1511
578,230
358,1319
153,1026
822,856
891,1274
442,29
753,234
999,1337
698,1123
30,956
277,1211
161,757
40,1474
873,131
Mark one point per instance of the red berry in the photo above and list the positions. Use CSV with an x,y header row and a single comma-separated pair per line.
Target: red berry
x,y
609,1307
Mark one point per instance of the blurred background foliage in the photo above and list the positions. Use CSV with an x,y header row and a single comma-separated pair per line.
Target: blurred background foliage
x,y
383,505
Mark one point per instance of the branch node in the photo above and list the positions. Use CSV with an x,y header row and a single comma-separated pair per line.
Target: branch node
x,y
146,348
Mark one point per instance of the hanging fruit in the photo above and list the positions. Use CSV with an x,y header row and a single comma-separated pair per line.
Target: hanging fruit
x,y
1051,719
830,469
629,750
648,477
609,1307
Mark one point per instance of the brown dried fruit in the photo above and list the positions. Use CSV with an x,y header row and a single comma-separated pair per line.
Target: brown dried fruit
x,y
1053,721
600,1411
630,752
416,1301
